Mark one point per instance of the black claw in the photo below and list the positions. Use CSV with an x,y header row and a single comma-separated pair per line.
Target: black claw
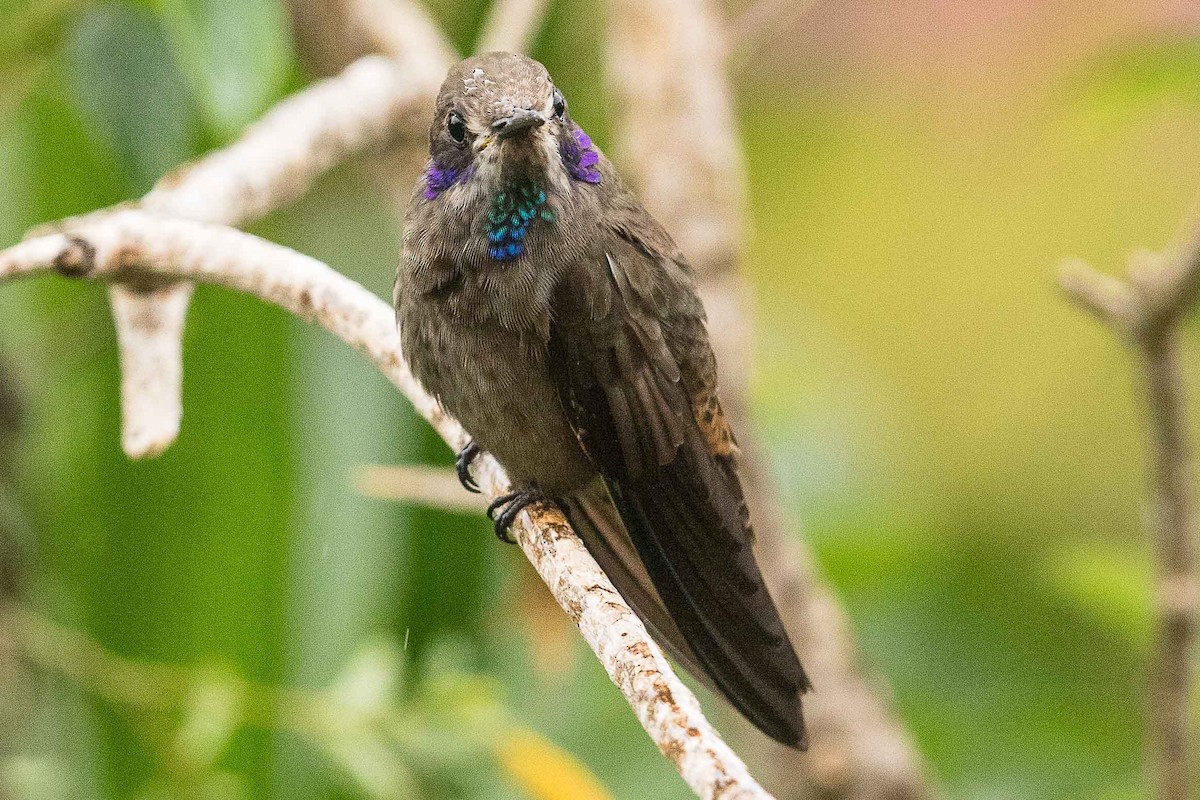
x,y
500,502
509,506
462,465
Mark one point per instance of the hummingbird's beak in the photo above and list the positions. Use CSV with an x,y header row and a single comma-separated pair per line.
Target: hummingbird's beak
x,y
521,119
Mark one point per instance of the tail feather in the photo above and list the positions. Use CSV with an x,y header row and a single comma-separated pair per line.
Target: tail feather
x,y
707,606
594,517
759,675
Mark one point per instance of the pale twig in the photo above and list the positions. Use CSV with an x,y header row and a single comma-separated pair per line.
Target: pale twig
x,y
678,141
512,25
1113,301
1147,311
416,484
150,339
130,246
278,158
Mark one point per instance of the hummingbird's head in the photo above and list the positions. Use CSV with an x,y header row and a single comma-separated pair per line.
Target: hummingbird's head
x,y
502,135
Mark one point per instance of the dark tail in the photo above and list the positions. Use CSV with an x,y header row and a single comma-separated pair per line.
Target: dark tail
x,y
695,583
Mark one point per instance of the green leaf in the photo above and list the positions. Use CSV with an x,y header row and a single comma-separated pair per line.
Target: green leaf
x,y
130,92
237,55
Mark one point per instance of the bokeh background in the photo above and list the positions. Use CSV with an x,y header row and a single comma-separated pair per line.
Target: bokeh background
x,y
960,447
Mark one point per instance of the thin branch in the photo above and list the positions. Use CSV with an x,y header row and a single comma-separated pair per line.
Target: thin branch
x,y
678,140
1173,672
512,25
150,338
416,484
1147,311
278,158
130,246
1112,301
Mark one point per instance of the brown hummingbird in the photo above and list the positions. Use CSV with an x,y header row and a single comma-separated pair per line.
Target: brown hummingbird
x,y
555,318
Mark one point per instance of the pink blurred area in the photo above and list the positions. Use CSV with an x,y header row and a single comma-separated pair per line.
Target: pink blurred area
x,y
949,43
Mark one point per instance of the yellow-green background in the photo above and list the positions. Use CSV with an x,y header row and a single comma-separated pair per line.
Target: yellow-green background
x,y
960,447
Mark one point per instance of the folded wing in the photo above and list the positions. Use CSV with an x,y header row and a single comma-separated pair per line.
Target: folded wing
x,y
633,367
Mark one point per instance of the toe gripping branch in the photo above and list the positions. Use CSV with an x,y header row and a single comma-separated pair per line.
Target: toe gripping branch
x,y
505,508
462,465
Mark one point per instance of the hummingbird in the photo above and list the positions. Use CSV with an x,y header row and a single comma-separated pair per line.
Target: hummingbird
x,y
544,307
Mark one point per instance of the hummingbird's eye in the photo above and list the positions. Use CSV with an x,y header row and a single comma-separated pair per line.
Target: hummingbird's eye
x,y
456,127
560,104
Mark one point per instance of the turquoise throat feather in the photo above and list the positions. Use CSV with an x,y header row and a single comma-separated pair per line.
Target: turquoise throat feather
x,y
513,210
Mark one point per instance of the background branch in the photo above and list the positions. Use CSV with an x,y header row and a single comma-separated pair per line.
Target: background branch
x,y
678,140
1147,312
762,24
416,484
333,33
511,25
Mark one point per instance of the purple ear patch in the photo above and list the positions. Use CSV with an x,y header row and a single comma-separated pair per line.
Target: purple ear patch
x,y
579,157
438,180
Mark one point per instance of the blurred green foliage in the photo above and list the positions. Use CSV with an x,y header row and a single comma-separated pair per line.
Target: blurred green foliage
x,y
961,446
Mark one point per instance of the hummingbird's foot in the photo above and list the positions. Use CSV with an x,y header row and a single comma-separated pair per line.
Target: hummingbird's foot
x,y
505,508
462,465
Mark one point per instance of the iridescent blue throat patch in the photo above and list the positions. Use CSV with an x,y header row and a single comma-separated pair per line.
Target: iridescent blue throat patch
x,y
513,211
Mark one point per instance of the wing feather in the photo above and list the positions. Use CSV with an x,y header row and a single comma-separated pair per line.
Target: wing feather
x,y
679,498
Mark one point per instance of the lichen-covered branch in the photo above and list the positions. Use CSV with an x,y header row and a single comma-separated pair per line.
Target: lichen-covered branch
x,y
678,140
1147,311
133,247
